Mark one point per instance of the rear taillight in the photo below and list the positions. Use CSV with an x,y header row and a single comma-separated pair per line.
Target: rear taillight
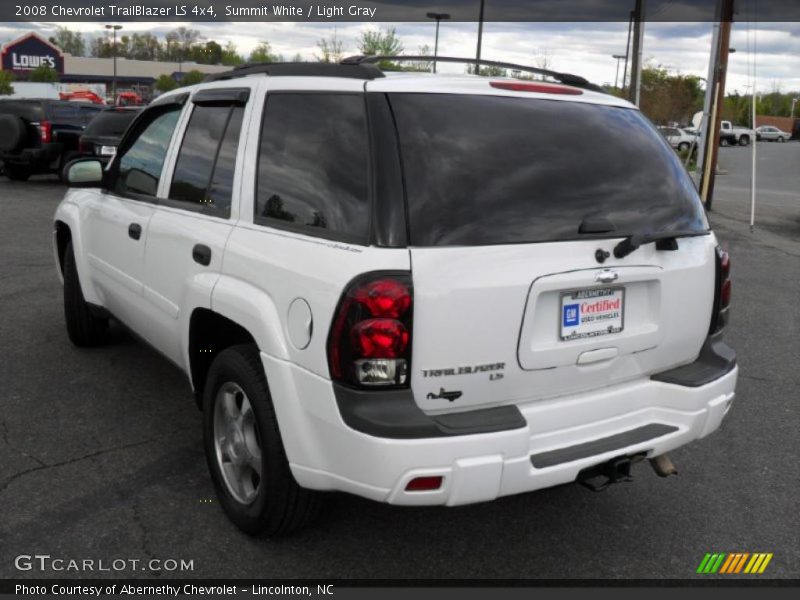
x,y
84,148
370,339
722,294
46,131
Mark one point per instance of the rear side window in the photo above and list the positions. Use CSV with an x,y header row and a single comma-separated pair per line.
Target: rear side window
x,y
312,165
500,170
65,113
141,163
110,122
207,159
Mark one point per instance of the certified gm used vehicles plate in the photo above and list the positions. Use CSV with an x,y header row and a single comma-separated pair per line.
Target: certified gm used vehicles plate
x,y
418,289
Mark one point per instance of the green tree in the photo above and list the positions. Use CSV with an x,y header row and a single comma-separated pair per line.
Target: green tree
x,y
69,41
331,49
422,66
165,83
377,42
487,71
230,56
263,54
43,74
209,53
6,77
191,78
669,98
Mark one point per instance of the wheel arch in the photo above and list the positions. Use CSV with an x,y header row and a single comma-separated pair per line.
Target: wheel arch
x,y
66,229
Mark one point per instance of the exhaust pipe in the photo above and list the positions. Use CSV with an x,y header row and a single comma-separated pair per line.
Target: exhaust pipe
x,y
663,466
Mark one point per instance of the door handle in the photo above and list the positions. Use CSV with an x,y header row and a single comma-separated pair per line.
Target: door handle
x,y
134,231
201,254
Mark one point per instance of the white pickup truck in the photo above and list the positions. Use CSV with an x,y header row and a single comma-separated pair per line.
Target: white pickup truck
x,y
731,135
419,289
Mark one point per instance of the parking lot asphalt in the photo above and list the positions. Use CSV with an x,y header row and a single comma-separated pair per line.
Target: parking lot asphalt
x,y
101,454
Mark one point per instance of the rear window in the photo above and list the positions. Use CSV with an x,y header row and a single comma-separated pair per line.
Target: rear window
x,y
28,111
500,170
110,122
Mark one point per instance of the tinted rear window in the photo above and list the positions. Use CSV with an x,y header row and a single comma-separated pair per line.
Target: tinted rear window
x,y
110,122
496,170
29,111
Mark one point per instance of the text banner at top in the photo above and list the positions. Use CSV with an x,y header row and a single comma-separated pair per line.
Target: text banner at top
x,y
387,10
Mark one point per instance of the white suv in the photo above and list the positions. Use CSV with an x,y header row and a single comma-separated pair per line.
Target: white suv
x,y
418,289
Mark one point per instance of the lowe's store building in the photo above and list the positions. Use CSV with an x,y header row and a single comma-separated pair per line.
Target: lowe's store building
x,y
25,53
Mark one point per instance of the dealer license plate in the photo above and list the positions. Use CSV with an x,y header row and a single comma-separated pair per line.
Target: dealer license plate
x,y
591,313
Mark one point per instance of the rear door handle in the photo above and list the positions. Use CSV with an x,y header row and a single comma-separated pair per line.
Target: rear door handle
x,y
134,231
201,254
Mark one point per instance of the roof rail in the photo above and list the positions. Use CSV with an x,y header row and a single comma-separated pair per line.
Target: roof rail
x,y
300,69
565,78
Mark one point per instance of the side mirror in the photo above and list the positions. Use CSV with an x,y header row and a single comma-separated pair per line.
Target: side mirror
x,y
84,172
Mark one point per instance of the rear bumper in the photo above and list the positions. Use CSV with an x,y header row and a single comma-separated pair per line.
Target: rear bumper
x,y
646,416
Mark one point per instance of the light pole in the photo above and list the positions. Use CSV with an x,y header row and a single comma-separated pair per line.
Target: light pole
x,y
794,101
619,57
480,39
114,28
438,17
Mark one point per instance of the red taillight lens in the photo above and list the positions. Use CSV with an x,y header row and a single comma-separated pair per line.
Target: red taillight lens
x,y
538,87
384,298
379,338
424,484
370,339
46,130
723,292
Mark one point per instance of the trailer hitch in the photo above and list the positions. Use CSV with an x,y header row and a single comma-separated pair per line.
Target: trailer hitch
x,y
616,470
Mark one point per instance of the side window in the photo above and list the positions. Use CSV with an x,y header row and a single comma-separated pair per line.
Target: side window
x,y
141,163
207,159
312,165
64,113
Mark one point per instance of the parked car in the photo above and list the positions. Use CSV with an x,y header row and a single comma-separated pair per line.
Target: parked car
x,y
103,133
40,135
678,138
424,332
772,134
731,135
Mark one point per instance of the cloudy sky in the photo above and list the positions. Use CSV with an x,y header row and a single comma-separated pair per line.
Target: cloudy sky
x,y
581,48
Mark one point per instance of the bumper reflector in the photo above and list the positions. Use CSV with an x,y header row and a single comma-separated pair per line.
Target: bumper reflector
x,y
424,484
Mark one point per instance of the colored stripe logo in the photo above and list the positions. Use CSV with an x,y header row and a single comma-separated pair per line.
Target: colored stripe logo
x,y
734,563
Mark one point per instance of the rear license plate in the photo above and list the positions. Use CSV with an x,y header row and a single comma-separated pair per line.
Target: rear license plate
x,y
108,150
590,313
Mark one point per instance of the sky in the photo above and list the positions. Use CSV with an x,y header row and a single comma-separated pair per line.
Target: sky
x,y
581,48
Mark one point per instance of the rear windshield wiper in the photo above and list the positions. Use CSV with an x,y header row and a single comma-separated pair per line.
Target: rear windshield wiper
x,y
633,241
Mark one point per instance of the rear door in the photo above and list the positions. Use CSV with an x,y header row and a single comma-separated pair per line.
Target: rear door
x,y
190,226
511,201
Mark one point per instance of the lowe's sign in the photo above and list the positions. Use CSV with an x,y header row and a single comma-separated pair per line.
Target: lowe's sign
x,y
31,51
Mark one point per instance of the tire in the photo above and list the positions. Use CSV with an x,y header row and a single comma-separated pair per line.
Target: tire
x,y
259,494
744,140
84,329
724,142
683,147
781,139
17,172
15,133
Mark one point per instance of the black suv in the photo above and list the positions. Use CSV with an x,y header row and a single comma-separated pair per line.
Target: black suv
x,y
40,136
101,137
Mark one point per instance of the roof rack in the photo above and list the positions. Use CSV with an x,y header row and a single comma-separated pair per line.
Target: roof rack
x,y
565,78
301,69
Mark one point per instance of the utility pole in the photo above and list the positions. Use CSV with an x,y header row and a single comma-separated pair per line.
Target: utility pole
x,y
114,28
627,50
618,57
480,39
439,17
638,43
716,87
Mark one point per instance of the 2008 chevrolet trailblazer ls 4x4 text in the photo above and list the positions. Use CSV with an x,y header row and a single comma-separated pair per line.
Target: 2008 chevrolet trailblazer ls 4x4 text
x,y
421,289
